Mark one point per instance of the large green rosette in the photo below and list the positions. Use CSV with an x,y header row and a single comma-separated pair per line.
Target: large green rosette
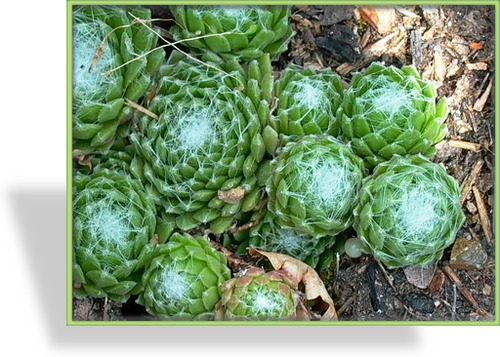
x,y
113,223
202,154
183,281
314,185
105,39
409,211
388,111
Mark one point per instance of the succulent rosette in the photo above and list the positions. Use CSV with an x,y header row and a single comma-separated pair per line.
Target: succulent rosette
x,y
315,251
314,185
257,295
201,154
307,102
184,279
388,111
243,33
113,223
409,211
105,39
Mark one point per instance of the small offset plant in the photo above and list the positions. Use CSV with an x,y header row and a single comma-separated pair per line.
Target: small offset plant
x,y
257,295
388,111
113,222
202,152
105,39
409,211
246,32
316,251
314,185
184,279
307,102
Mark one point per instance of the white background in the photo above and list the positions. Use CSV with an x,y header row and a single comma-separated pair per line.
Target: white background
x,y
33,236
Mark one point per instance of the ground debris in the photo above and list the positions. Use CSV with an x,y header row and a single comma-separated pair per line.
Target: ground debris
x,y
341,43
484,216
335,14
467,254
420,275
420,302
382,19
451,275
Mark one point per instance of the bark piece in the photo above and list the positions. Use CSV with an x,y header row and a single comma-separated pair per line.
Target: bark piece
x,y
467,255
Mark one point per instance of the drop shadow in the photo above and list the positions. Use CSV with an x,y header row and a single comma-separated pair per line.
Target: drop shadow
x,y
41,217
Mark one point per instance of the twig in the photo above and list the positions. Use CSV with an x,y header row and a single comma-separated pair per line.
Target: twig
x,y
483,215
251,224
467,185
105,310
465,145
481,102
346,305
450,274
141,109
235,262
337,268
454,304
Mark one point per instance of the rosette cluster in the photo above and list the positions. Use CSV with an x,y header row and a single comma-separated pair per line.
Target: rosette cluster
x,y
212,143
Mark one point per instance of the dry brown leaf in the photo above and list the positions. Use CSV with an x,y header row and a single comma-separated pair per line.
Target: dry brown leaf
x,y
231,196
381,19
467,254
82,159
314,288
420,276
475,46
439,64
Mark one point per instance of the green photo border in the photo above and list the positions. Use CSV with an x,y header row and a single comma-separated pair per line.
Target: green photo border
x,y
69,162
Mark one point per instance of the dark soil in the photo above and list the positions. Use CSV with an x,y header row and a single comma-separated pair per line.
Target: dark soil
x,y
453,46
